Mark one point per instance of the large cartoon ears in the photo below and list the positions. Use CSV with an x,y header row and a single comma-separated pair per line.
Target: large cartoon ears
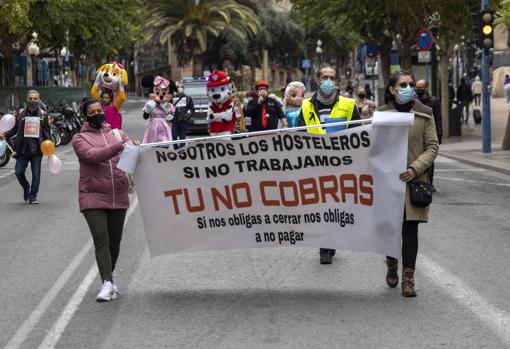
x,y
123,77
104,67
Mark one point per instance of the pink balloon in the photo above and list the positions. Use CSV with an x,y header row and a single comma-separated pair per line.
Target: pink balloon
x,y
7,122
54,164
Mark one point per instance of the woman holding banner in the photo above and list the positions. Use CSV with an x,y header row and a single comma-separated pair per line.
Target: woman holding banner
x,y
103,190
422,150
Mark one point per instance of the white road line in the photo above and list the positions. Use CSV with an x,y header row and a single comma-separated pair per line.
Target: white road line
x,y
472,181
24,330
58,328
497,320
6,174
28,325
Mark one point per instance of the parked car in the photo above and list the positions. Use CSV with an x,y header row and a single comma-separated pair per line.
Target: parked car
x,y
197,90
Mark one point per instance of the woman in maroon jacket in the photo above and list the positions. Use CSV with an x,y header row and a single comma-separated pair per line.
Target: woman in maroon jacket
x,y
103,190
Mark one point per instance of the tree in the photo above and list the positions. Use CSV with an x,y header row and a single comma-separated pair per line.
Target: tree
x,y
190,23
97,28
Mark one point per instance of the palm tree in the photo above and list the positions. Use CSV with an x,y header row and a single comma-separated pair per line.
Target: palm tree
x,y
189,23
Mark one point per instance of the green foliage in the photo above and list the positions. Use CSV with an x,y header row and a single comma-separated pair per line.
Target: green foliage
x,y
190,23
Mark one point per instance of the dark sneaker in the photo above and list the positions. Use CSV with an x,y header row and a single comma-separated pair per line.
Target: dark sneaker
x,y
26,193
34,201
326,258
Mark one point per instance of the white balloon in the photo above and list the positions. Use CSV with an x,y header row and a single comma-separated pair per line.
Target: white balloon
x,y
7,122
3,147
54,164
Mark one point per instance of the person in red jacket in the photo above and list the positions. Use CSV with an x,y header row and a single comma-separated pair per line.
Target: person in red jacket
x,y
103,190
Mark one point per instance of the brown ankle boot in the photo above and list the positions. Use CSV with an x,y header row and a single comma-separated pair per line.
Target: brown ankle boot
x,y
392,273
408,282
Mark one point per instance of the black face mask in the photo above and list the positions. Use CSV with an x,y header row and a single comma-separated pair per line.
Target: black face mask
x,y
421,92
32,105
96,121
361,95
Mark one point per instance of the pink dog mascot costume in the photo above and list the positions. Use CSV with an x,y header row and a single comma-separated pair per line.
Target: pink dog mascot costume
x,y
221,114
159,110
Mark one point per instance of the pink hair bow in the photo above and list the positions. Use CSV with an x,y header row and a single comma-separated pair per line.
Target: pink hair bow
x,y
161,81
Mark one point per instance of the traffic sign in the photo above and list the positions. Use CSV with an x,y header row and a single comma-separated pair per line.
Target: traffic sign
x,y
424,40
305,64
423,56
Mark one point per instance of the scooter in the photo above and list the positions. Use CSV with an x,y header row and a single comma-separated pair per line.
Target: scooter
x,y
9,152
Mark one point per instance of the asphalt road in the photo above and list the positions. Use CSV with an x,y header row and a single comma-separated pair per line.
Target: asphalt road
x,y
253,298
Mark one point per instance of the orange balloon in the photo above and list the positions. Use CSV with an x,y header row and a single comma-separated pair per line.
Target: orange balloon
x,y
48,148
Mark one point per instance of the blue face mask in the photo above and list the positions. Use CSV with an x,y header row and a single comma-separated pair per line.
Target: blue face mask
x,y
327,87
406,94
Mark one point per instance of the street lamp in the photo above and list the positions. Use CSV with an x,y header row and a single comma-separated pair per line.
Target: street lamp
x,y
33,51
319,51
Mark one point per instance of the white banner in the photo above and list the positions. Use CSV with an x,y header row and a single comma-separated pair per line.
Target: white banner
x,y
340,190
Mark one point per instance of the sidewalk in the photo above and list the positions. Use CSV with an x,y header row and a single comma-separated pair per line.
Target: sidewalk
x,y
468,148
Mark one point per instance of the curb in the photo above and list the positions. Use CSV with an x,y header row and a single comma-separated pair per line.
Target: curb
x,y
476,163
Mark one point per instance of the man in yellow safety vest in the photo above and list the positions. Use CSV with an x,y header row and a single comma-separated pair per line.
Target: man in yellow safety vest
x,y
327,106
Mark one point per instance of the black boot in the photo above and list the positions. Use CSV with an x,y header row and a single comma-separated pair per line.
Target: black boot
x,y
326,255
392,273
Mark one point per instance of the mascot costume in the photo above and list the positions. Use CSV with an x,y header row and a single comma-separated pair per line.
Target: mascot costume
x,y
221,114
294,95
113,77
159,111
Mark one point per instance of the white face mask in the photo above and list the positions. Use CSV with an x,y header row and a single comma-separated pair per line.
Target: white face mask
x,y
180,89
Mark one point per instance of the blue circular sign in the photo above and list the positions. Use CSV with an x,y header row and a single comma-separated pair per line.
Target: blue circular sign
x,y
424,40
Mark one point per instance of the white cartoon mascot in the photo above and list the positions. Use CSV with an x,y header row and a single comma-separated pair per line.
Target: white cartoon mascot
x,y
221,114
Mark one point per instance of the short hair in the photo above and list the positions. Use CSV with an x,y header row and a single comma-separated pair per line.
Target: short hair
x,y
426,82
30,92
326,66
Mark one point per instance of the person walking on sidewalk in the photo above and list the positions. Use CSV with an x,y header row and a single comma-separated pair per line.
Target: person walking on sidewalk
x,y
422,89
364,105
327,106
421,152
264,111
464,97
184,110
112,116
476,88
103,190
506,85
31,129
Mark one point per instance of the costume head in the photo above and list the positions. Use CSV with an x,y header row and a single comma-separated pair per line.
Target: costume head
x,y
219,87
113,77
161,89
294,94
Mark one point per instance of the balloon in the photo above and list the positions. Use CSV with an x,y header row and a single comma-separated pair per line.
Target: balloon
x,y
3,147
7,122
48,148
54,164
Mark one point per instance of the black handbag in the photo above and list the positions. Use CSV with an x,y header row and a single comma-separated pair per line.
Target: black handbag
x,y
421,193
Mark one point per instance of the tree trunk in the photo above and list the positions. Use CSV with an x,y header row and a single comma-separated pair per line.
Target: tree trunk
x,y
253,71
506,138
384,66
445,95
197,61
406,62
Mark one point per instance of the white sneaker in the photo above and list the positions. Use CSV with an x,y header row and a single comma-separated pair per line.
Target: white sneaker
x,y
106,293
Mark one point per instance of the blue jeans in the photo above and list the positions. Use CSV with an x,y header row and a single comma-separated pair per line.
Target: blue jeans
x,y
179,132
29,191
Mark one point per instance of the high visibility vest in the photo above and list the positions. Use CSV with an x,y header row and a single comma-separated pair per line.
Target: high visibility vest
x,y
341,111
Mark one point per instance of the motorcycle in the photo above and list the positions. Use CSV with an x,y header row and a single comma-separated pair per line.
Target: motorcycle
x,y
9,152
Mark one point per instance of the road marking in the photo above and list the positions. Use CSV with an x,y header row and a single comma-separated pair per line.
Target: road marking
x,y
7,174
445,160
28,325
497,320
58,328
472,181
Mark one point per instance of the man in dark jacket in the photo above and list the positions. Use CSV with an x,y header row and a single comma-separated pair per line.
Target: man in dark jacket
x,y
264,111
422,90
464,97
31,130
184,109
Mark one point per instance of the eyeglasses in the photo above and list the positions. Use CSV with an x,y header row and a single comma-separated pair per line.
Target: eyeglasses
x,y
405,84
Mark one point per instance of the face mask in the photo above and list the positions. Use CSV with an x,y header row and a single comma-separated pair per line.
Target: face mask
x,y
361,95
33,105
327,87
96,121
180,89
406,94
421,92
